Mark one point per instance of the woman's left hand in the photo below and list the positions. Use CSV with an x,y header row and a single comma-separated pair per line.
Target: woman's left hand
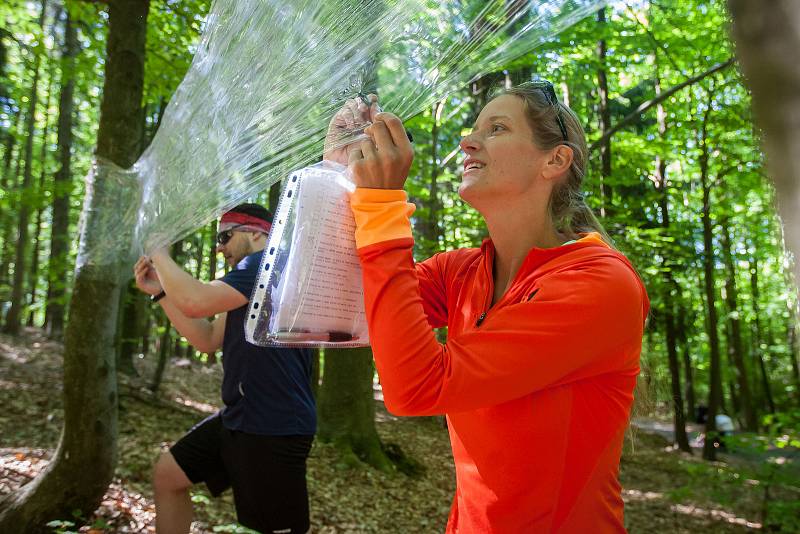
x,y
383,160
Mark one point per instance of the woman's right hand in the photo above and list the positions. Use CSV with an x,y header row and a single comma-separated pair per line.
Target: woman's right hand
x,y
146,277
354,115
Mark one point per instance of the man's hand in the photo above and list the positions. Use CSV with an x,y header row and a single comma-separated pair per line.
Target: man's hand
x,y
383,160
354,115
146,277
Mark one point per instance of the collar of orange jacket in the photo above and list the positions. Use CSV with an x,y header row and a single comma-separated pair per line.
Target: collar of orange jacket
x,y
589,238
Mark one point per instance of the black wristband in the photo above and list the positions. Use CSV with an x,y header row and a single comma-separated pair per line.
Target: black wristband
x,y
156,298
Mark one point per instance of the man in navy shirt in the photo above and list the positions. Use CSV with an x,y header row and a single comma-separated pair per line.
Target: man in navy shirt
x,y
259,442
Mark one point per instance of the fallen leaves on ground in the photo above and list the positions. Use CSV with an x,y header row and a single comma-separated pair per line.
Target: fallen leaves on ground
x,y
343,500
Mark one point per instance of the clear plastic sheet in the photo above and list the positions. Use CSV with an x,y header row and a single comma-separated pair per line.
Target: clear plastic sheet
x,y
103,240
309,290
268,76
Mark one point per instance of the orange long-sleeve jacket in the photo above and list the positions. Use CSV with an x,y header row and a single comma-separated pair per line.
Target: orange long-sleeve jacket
x,y
537,388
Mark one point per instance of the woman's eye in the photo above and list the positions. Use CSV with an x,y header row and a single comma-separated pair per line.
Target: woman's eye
x,y
497,128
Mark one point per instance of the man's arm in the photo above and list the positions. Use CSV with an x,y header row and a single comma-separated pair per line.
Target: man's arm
x,y
206,336
191,297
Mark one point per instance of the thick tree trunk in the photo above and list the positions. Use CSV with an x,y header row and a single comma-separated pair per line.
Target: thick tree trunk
x,y
346,408
735,346
59,238
13,318
767,37
79,474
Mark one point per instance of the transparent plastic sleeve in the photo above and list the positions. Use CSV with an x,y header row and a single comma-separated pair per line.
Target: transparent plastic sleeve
x,y
309,290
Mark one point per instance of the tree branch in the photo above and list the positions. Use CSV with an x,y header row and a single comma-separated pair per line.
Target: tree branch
x,y
645,106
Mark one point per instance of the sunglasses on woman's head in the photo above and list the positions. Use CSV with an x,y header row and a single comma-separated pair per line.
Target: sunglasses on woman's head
x,y
550,94
224,237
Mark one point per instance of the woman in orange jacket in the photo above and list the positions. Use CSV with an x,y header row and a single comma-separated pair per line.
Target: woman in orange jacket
x,y
544,320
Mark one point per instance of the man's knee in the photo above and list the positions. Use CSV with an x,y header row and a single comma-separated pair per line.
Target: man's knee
x,y
168,475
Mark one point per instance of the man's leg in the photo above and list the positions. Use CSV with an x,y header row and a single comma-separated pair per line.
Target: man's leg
x,y
268,475
195,458
173,503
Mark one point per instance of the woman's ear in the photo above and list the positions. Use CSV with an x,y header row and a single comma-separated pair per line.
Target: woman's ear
x,y
559,162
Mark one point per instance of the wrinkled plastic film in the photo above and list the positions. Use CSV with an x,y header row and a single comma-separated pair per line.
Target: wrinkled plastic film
x,y
110,202
255,104
269,75
309,290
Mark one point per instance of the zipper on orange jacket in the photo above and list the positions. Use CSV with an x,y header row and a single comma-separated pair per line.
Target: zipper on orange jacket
x,y
487,302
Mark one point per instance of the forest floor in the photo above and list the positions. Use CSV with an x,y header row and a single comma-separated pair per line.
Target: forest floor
x,y
664,490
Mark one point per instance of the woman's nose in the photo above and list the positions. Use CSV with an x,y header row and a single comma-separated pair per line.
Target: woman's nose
x,y
469,143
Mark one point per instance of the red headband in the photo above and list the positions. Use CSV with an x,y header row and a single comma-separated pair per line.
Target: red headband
x,y
245,220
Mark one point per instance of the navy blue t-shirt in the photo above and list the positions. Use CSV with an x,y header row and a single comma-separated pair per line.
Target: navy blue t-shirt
x,y
266,390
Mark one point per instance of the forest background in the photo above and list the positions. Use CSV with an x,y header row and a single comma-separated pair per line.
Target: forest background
x,y
677,177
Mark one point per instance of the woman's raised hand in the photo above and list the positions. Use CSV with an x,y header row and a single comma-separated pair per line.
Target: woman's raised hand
x,y
383,160
354,116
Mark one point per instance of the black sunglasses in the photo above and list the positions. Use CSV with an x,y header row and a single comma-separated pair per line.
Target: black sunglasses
x,y
550,94
224,237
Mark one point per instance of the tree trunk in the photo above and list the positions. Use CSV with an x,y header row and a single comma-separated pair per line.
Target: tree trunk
x,y
212,262
33,281
89,437
767,38
605,118
148,324
735,346
346,408
8,249
163,355
671,288
8,157
430,227
765,375
315,371
59,238
13,318
132,305
794,348
691,403
715,371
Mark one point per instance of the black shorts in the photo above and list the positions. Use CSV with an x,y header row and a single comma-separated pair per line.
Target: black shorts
x,y
267,473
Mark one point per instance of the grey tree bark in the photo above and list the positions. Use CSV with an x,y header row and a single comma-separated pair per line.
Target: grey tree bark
x,y
346,408
767,37
89,435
